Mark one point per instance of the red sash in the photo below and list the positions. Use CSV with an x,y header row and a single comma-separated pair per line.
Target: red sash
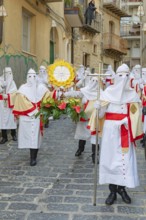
x,y
123,130
1,97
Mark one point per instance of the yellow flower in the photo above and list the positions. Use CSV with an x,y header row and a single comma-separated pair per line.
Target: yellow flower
x,y
57,82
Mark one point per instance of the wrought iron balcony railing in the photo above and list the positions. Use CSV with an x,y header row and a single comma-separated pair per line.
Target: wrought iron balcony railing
x,y
130,30
75,13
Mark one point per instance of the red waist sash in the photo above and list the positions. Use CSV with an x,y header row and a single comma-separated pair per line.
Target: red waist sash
x,y
115,116
123,129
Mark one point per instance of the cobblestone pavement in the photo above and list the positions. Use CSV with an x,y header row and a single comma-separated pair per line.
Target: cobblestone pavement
x,y
60,187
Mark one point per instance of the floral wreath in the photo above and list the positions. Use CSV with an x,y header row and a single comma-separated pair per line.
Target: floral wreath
x,y
72,107
57,72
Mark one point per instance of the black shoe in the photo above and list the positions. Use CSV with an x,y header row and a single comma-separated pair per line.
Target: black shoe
x,y
14,138
4,140
111,198
33,162
124,195
93,159
78,152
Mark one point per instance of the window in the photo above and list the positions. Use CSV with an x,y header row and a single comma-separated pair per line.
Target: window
x,y
94,48
26,18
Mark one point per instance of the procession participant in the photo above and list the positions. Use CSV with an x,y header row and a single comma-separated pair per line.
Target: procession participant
x,y
84,78
80,77
137,81
27,104
88,94
7,120
43,78
122,127
109,80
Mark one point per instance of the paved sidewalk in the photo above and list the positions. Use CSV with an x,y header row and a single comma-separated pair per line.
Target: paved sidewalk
x,y
60,187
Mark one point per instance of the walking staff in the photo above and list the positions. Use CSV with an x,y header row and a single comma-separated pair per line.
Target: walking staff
x,y
97,128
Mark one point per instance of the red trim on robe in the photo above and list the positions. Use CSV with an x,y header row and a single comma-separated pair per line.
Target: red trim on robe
x,y
110,81
1,97
54,95
9,103
131,83
24,113
85,106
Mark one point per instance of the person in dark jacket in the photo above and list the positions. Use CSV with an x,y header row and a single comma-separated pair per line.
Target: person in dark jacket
x,y
89,13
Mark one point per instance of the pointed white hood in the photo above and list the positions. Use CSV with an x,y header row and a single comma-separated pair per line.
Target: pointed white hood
x,y
120,92
8,78
33,91
110,71
90,91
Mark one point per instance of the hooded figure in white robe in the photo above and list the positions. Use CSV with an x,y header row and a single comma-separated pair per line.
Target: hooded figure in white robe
x,y
109,80
26,106
122,127
42,77
7,90
88,94
83,77
137,81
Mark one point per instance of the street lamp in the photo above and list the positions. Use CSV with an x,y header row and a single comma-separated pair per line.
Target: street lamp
x,y
140,14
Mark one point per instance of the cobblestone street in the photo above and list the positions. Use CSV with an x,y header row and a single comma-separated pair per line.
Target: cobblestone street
x,y
60,187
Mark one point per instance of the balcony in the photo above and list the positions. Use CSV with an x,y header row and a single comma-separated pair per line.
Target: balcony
x,y
117,7
75,17
134,3
50,1
95,26
114,45
130,31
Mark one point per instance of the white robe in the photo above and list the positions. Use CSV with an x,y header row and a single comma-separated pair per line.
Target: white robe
x,y
29,133
7,120
116,167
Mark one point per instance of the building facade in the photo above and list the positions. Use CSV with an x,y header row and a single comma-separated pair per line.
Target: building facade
x,y
131,30
114,46
37,32
32,34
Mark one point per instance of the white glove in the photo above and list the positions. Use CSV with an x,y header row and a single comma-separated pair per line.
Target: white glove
x,y
97,105
141,85
5,96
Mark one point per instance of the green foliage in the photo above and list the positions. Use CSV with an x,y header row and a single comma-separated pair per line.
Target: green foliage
x,y
71,107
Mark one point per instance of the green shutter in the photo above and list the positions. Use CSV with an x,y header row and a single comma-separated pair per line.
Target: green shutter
x,y
51,52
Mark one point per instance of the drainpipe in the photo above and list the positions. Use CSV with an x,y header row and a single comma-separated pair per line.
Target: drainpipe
x,y
72,46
